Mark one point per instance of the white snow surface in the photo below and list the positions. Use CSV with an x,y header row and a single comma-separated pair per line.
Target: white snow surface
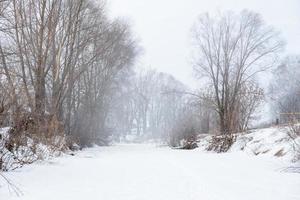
x,y
266,142
274,141
148,172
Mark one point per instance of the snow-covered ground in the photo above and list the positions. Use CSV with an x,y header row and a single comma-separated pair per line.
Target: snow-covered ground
x,y
142,172
266,142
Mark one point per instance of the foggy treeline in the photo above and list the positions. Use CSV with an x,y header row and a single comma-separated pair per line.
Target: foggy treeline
x,y
67,71
62,64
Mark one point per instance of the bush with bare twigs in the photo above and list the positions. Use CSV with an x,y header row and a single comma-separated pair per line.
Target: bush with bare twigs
x,y
294,133
28,141
221,143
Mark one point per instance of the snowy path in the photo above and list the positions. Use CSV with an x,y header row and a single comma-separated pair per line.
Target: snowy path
x,y
145,172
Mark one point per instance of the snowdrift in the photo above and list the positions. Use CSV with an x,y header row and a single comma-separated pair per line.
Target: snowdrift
x,y
274,141
14,156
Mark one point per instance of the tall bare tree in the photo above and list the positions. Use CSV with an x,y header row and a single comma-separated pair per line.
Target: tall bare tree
x,y
230,50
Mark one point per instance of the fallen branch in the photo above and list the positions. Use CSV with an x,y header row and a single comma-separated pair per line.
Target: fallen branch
x,y
11,186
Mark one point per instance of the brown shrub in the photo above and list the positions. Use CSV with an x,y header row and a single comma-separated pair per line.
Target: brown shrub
x,y
221,143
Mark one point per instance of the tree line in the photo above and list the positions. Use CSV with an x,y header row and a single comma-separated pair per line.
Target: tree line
x,y
61,63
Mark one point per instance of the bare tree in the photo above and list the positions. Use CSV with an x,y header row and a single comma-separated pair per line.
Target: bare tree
x,y
285,89
230,50
249,100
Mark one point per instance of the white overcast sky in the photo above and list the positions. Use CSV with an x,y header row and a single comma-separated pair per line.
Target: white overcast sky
x,y
163,27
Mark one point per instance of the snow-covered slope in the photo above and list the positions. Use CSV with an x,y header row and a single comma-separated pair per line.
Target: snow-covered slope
x,y
273,142
269,141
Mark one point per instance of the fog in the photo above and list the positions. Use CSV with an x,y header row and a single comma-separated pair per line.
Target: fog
x,y
164,30
133,94
163,27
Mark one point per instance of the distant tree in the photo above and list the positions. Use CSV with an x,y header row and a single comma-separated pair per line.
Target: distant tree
x,y
285,88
